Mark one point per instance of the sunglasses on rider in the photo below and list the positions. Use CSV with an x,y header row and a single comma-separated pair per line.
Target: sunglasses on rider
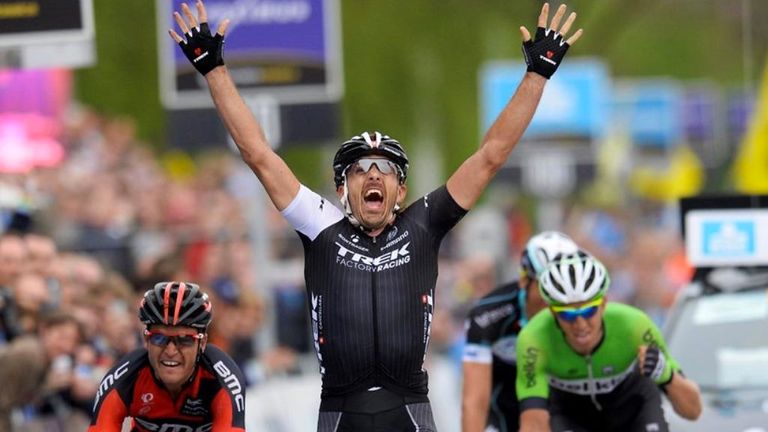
x,y
180,340
570,314
362,166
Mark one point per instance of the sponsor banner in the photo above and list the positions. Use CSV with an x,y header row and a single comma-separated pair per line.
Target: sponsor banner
x,y
652,111
575,101
702,113
732,237
287,49
44,21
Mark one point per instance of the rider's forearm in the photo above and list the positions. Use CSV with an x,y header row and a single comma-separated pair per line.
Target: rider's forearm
x,y
475,396
509,126
534,420
474,412
278,180
237,118
685,396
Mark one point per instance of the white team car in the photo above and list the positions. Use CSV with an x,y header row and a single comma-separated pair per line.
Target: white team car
x,y
718,328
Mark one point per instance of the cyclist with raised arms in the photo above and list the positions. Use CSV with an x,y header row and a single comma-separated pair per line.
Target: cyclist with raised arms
x,y
178,382
489,401
590,365
371,265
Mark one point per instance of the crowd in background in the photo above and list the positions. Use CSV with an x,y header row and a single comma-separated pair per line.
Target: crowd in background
x,y
86,238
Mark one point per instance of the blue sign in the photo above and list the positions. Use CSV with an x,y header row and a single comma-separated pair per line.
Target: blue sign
x,y
652,111
728,239
280,29
575,100
740,108
286,49
701,113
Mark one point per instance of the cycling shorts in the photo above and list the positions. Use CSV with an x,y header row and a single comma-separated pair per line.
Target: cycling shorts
x,y
379,410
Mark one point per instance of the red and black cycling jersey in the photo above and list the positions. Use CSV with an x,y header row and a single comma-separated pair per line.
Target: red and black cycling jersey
x,y
371,299
212,401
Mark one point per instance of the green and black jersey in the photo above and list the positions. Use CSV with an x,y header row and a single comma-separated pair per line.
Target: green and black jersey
x,y
546,362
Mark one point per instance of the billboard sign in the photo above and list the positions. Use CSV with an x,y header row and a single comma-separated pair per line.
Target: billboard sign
x,y
727,237
289,50
652,110
574,103
45,21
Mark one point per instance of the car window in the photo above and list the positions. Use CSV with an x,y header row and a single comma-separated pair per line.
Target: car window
x,y
721,340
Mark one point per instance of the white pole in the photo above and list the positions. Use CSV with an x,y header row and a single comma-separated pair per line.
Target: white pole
x,y
747,45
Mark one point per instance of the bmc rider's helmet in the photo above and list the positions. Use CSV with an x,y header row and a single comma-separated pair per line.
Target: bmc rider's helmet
x,y
573,278
369,144
176,304
541,249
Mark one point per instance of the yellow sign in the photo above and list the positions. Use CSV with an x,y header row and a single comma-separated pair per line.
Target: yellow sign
x,y
750,171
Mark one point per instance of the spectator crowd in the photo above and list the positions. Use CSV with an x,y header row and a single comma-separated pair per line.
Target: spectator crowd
x,y
79,243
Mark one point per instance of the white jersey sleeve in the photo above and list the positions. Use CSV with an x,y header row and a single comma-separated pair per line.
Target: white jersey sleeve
x,y
310,214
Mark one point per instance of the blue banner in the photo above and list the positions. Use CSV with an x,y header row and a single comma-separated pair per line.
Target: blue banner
x,y
652,110
287,49
575,100
274,31
701,113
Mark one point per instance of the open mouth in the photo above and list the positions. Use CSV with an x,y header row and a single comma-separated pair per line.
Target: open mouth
x,y
373,199
170,363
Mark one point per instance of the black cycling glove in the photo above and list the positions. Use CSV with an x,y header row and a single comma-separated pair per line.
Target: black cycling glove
x,y
544,52
655,366
204,50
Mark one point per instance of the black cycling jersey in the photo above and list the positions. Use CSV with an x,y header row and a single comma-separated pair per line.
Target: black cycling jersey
x,y
492,327
371,298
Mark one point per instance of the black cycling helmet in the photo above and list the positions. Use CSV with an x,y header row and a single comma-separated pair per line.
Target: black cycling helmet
x,y
367,144
176,304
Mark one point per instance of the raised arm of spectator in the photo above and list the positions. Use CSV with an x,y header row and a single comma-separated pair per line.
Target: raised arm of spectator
x,y
543,55
205,53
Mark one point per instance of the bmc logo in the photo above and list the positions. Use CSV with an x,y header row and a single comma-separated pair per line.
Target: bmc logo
x,y
169,427
233,384
108,381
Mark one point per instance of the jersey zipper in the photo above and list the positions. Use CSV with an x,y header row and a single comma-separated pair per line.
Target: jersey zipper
x,y
375,318
591,383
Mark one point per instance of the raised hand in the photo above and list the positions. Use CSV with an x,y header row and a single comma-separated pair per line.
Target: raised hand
x,y
204,51
544,53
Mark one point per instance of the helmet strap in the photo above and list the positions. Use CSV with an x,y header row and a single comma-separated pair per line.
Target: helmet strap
x,y
345,203
522,303
200,348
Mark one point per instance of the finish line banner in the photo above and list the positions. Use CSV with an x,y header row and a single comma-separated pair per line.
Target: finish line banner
x,y
285,49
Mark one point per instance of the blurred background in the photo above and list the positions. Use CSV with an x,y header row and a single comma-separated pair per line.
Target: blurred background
x,y
115,171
